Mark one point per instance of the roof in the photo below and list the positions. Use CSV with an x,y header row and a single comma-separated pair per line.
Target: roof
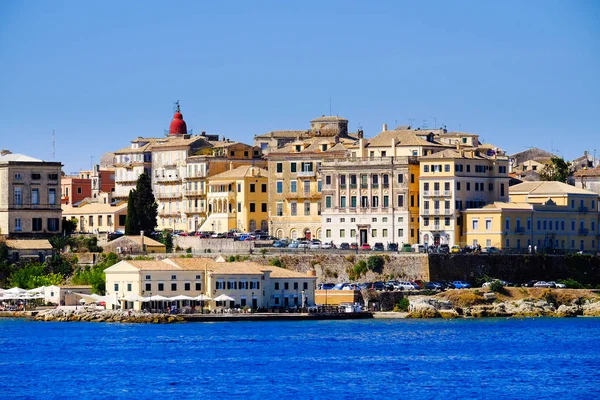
x,y
403,138
500,205
587,172
283,134
28,244
313,145
531,154
137,239
94,208
244,171
18,157
547,188
328,118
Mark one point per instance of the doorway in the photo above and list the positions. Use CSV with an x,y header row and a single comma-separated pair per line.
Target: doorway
x,y
363,236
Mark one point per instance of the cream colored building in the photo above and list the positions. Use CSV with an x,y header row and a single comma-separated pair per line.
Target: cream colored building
x,y
248,283
452,181
546,215
97,217
130,163
295,179
238,199
29,196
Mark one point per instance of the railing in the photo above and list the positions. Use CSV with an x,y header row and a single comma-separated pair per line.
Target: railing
x,y
168,213
583,232
436,227
447,193
168,195
426,192
370,161
375,185
353,186
386,185
126,180
364,186
301,195
167,179
582,209
519,230
306,173
436,193
343,186
425,212
195,210
193,192
448,211
195,175
436,211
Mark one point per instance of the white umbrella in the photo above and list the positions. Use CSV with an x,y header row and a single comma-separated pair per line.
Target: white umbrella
x,y
223,297
181,297
135,297
158,297
202,297
15,290
40,289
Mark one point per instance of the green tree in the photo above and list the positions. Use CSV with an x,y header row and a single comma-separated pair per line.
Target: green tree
x,y
166,238
94,276
69,225
145,204
375,263
59,242
58,265
558,170
33,275
132,223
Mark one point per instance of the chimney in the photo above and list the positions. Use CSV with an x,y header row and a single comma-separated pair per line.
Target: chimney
x,y
203,133
384,127
142,240
393,147
4,152
231,165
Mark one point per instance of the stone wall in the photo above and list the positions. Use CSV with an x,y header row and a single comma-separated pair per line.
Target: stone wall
x,y
514,268
227,246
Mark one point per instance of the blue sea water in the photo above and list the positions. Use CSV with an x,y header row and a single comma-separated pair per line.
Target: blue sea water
x,y
369,359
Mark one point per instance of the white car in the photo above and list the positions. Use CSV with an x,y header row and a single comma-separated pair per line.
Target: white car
x,y
315,244
303,245
557,285
327,245
404,285
543,284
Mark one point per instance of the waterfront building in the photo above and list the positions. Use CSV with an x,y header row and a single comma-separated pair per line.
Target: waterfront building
x,y
134,244
247,283
547,215
29,196
238,199
295,178
452,181
95,216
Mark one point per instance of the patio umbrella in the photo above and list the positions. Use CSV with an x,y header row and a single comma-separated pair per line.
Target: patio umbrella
x,y
223,297
202,297
158,297
135,297
181,297
15,290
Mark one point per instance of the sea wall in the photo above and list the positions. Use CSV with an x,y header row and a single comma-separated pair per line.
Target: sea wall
x,y
515,268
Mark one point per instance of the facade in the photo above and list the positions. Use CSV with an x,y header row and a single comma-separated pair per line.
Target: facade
x,y
134,244
29,196
546,215
97,217
295,179
28,249
588,179
238,199
248,283
86,184
452,181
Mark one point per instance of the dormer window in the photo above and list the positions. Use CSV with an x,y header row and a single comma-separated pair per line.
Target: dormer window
x,y
323,147
298,148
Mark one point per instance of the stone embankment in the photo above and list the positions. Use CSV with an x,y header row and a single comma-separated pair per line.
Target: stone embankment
x,y
431,307
89,315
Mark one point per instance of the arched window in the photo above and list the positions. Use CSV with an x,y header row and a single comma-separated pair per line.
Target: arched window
x,y
280,233
294,234
264,226
252,226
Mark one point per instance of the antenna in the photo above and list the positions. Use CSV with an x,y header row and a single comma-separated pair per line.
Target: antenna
x,y
176,106
54,145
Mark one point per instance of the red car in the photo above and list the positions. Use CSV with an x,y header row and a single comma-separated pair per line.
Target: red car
x,y
365,246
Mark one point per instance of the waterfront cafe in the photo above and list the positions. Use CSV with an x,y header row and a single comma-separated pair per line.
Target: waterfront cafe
x,y
206,283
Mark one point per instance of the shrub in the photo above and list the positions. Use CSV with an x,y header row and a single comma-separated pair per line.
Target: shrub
x,y
263,251
360,268
497,287
402,305
375,263
276,262
188,250
350,258
572,283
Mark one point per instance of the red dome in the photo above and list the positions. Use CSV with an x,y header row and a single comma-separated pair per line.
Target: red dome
x,y
178,126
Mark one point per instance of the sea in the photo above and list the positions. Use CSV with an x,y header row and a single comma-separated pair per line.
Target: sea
x,y
531,358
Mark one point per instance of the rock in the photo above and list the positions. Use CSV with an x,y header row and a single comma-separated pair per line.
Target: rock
x,y
568,311
489,296
591,309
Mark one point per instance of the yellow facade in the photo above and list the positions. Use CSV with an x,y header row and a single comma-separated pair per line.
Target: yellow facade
x,y
238,199
554,216
414,172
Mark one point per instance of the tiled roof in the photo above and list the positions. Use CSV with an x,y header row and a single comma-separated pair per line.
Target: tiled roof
x,y
403,138
93,208
547,188
137,239
242,172
587,172
506,206
28,244
314,145
283,134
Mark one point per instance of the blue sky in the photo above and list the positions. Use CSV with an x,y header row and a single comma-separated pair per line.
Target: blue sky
x,y
520,74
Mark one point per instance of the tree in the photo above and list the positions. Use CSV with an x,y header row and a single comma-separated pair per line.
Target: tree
x,y
59,242
69,225
558,170
132,225
167,239
141,208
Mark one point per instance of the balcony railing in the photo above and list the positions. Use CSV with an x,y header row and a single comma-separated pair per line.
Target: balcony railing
x,y
306,173
436,193
353,186
425,212
193,192
385,185
195,175
447,193
375,185
519,230
582,209
583,232
126,180
343,186
166,179
176,195
195,210
426,192
301,195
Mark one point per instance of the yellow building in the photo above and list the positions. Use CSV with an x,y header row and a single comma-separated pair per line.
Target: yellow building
x,y
247,283
454,180
546,215
238,199
98,216
414,171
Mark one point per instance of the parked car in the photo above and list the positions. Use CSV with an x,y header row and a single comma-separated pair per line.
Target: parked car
x,y
455,249
344,246
354,246
529,284
351,286
407,248
444,248
378,246
544,284
303,244
327,245
293,244
325,286
504,283
339,286
314,244
461,285
467,249
280,243
491,250
365,246
434,286
392,246
418,282
405,285
378,285
448,285
558,285
418,248
391,285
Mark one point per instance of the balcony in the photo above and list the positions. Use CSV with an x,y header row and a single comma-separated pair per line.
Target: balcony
x,y
176,195
126,180
584,232
342,186
364,186
301,195
386,185
447,193
167,179
426,192
353,186
374,185
166,213
195,210
436,193
425,212
582,209
519,230
306,174
193,192
195,175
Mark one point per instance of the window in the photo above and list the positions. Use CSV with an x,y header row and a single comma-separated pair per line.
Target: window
x,y
36,224
279,168
319,186
425,168
507,224
53,224
263,188
488,224
342,233
400,178
36,177
386,201
148,287
276,285
35,196
375,201
279,187
78,189
279,209
468,185
18,196
187,286
18,225
328,233
116,287
401,232
129,287
384,233
475,224
161,286
293,186
447,168
239,187
307,208
148,277
293,208
328,201
352,201
374,232
252,207
263,207
18,177
198,286
447,221
239,207
400,200
52,196
252,188
343,201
